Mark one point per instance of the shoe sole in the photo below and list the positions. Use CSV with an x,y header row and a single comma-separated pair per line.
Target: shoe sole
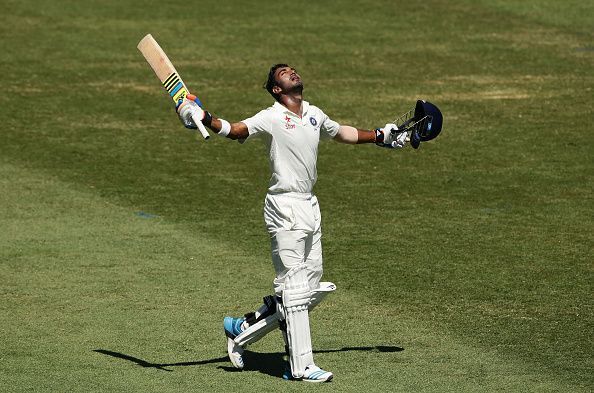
x,y
288,377
236,360
318,380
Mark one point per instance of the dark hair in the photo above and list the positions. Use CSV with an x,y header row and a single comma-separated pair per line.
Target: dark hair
x,y
271,82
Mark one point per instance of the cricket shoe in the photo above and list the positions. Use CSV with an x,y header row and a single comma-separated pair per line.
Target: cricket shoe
x,y
233,329
312,374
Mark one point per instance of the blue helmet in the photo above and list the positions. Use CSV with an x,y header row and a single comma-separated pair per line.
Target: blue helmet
x,y
427,123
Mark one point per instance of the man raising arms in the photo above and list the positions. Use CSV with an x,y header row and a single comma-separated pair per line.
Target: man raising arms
x,y
291,128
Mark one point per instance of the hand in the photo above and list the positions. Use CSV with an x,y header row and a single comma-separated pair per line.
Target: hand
x,y
392,138
400,140
189,110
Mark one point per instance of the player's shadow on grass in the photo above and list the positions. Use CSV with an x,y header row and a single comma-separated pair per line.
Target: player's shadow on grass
x,y
273,363
266,363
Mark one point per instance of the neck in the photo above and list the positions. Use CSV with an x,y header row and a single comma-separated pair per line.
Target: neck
x,y
292,102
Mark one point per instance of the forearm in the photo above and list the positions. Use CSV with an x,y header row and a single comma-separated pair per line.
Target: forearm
x,y
236,130
352,135
366,136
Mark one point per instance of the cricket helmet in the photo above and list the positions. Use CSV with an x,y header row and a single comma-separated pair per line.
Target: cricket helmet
x,y
433,120
427,121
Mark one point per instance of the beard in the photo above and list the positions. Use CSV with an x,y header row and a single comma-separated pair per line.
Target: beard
x,y
297,87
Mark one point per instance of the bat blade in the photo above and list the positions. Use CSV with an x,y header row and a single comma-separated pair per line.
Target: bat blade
x,y
166,72
163,68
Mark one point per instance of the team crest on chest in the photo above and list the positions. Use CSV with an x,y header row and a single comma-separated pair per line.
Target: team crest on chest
x,y
288,124
313,121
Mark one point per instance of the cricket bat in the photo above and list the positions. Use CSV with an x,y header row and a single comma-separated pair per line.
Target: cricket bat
x,y
167,74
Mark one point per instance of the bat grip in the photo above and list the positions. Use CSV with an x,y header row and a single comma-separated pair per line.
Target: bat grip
x,y
200,126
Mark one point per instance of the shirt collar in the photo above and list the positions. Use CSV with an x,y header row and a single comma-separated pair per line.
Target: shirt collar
x,y
283,109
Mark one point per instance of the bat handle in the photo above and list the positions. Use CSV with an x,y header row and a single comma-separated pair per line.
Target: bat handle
x,y
201,127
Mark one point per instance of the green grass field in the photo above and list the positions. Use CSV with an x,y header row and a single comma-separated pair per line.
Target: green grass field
x,y
125,239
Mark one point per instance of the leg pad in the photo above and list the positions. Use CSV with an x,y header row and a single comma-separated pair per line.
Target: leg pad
x,y
296,299
264,326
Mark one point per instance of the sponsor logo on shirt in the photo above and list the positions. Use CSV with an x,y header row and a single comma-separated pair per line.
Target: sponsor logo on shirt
x,y
288,124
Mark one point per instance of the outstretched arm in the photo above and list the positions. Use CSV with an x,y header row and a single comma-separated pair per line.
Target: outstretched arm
x,y
236,130
352,135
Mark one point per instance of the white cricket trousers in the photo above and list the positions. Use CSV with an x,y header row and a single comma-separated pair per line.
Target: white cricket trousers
x,y
293,221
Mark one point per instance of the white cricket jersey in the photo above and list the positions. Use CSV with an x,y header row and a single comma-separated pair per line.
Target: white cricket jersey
x,y
292,143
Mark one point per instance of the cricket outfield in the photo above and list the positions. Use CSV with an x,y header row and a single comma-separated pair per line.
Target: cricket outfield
x,y
125,239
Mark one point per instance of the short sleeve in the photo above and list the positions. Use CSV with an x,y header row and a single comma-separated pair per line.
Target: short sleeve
x,y
329,126
257,124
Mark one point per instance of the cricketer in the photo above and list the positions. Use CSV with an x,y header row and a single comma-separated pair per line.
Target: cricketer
x,y
291,129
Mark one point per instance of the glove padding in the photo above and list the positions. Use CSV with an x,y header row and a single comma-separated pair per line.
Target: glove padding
x,y
188,109
392,138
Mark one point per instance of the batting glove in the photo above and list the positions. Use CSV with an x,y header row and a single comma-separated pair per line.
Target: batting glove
x,y
391,137
188,109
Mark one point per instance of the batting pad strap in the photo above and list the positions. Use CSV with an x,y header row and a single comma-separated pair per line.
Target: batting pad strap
x,y
318,294
296,298
225,128
296,292
268,309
